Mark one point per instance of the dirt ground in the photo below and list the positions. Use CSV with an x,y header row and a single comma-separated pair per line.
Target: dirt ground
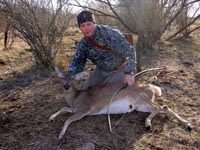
x,y
29,95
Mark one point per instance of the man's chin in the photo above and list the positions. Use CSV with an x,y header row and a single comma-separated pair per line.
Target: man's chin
x,y
88,35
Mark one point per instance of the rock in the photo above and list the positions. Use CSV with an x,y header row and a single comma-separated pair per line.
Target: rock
x,y
188,63
86,146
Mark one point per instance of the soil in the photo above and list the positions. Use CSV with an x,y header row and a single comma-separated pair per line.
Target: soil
x,y
29,95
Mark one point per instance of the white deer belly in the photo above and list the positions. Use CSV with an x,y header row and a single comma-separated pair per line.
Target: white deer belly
x,y
117,107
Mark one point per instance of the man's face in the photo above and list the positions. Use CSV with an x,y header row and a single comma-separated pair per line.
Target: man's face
x,y
87,28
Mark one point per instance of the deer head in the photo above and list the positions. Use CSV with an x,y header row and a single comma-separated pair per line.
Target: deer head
x,y
67,78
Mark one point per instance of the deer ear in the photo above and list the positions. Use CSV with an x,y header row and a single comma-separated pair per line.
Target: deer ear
x,y
59,73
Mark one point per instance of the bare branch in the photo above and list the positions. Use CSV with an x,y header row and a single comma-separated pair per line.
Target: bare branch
x,y
183,28
174,16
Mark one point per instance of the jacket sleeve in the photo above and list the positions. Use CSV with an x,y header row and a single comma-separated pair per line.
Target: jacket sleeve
x,y
123,49
78,61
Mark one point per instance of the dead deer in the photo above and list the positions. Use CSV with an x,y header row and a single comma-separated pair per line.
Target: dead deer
x,y
97,100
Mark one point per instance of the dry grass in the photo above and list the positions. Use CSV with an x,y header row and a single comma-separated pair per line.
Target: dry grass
x,y
30,95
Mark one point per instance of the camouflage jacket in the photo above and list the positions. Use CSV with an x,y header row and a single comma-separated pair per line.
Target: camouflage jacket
x,y
105,60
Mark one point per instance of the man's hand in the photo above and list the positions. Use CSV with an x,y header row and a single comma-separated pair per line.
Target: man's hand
x,y
129,80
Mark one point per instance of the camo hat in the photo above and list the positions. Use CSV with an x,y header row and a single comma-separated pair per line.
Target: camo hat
x,y
85,16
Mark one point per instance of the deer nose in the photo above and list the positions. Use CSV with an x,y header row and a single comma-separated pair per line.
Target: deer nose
x,y
66,86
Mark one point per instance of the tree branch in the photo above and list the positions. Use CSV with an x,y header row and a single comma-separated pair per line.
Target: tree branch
x,y
183,28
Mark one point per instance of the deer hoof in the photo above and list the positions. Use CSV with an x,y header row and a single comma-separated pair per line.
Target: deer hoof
x,y
148,128
61,140
50,120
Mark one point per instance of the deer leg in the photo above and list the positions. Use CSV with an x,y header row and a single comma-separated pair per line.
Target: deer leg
x,y
167,110
149,119
64,109
71,119
155,110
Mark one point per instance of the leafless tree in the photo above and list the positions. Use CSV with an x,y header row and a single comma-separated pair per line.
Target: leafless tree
x,y
185,21
7,31
40,23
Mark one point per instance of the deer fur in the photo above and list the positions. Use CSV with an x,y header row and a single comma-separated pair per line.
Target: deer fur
x,y
97,100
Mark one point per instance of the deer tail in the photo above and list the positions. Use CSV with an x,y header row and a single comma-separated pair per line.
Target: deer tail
x,y
156,89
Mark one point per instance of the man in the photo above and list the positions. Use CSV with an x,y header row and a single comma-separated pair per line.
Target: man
x,y
107,48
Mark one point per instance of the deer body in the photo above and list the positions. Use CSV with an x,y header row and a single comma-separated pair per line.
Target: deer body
x,y
99,100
